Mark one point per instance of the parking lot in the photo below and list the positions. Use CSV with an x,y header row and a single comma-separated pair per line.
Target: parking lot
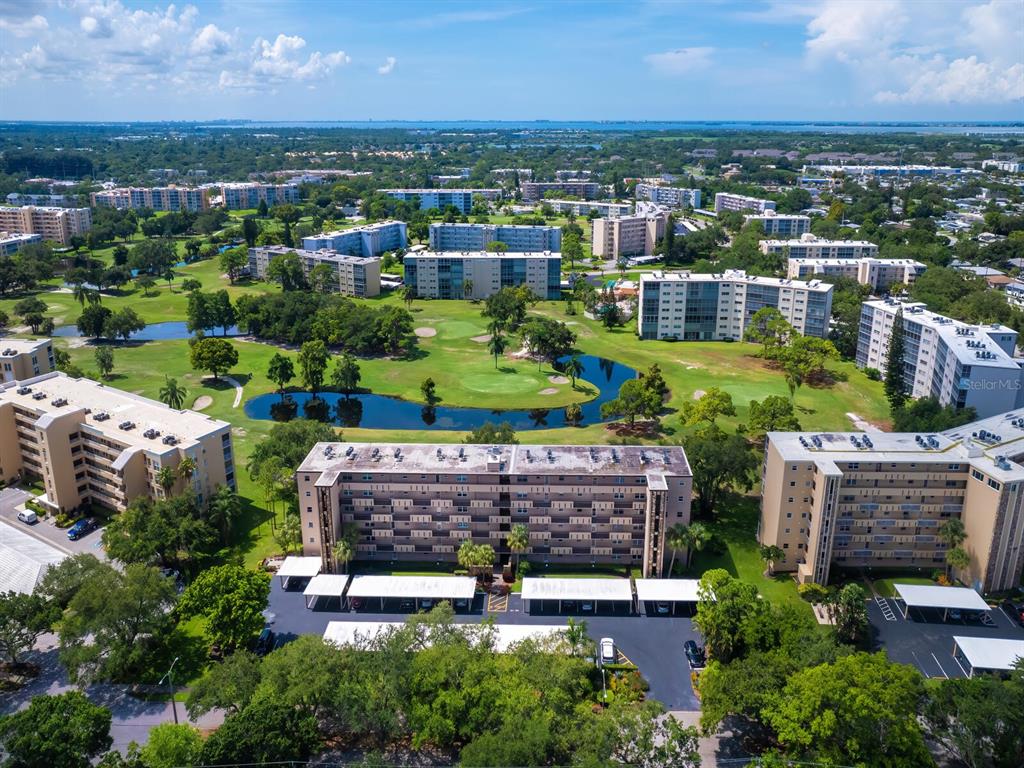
x,y
654,643
45,530
925,640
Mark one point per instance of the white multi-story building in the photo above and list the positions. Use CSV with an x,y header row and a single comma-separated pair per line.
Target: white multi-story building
x,y
726,201
784,224
699,307
442,198
536,190
155,198
627,236
478,274
353,275
367,240
878,273
674,197
475,237
957,363
1010,166
885,170
811,247
56,224
584,207
11,242
242,196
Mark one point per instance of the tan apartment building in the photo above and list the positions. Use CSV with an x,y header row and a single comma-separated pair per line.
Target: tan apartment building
x,y
92,443
625,236
855,500
25,358
352,275
56,224
877,273
581,504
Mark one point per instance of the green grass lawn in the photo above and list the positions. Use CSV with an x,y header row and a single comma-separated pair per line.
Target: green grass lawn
x,y
886,586
736,526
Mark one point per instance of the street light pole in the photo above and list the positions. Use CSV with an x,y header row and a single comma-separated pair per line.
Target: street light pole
x,y
169,677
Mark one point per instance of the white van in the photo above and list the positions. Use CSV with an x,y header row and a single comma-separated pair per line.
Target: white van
x,y
28,517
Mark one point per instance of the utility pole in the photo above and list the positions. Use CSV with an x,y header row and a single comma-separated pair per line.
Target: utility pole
x,y
169,677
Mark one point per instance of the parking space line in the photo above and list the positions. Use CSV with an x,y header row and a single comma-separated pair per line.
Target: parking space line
x,y
940,666
920,666
623,658
961,666
497,603
887,612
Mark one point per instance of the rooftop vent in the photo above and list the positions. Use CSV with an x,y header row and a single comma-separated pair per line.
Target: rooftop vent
x,y
169,440
59,402
8,352
151,433
101,416
24,390
38,395
329,452
126,425
349,451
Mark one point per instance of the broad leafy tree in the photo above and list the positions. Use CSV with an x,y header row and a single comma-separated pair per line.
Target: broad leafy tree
x,y
23,618
719,461
214,355
65,731
313,359
231,599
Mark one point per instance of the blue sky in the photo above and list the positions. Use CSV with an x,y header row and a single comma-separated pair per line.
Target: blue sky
x,y
771,60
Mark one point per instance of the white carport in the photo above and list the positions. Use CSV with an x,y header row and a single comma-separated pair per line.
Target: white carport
x,y
325,585
670,592
505,635
298,568
24,559
577,590
985,654
412,587
943,598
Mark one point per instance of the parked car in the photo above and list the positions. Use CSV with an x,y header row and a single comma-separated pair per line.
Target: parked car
x,y
28,517
1014,611
83,527
954,614
355,603
426,604
569,606
607,650
408,604
587,607
694,654
265,642
661,608
462,605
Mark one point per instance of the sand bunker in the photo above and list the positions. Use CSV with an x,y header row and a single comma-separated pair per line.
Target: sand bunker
x,y
558,379
203,401
698,394
481,339
549,391
425,333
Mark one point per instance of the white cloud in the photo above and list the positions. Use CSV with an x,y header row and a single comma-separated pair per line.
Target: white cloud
x,y
279,61
681,61
467,17
388,66
918,53
210,41
24,27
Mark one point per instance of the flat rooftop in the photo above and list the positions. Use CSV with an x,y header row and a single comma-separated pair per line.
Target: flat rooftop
x,y
577,589
374,227
442,190
484,255
771,214
926,596
24,559
63,394
9,347
970,343
461,225
504,635
735,276
405,458
859,260
805,240
428,587
668,590
323,254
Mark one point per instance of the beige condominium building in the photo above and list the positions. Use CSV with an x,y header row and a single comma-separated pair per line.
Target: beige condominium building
x,y
877,273
807,246
857,500
25,358
91,443
580,504
56,224
637,235
352,275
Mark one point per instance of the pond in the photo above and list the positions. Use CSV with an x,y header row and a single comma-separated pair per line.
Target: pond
x,y
155,332
371,411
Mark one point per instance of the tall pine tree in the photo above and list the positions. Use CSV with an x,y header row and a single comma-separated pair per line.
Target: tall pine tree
x,y
895,386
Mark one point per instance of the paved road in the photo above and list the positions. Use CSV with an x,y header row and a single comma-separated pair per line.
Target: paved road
x,y
45,530
131,718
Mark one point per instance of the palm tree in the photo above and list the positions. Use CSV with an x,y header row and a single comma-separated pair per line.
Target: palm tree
x,y
343,553
576,635
953,533
676,538
771,554
225,507
166,477
495,327
518,541
700,537
467,289
957,558
83,293
187,468
408,296
496,345
172,395
574,369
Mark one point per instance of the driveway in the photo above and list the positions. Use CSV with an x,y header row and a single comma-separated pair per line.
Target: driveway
x,y
46,530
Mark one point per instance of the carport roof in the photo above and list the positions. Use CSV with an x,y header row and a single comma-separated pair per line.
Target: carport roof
x,y
924,596
576,589
438,587
299,567
505,635
326,585
23,560
668,590
990,653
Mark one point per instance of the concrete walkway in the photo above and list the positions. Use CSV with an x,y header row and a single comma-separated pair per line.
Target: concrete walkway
x,y
234,383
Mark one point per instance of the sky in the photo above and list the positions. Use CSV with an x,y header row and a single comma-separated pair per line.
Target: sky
x,y
118,60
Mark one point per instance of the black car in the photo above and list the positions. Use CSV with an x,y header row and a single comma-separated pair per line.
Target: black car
x,y
1014,611
265,642
694,654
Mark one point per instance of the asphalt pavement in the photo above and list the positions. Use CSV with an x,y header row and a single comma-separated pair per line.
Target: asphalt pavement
x,y
45,530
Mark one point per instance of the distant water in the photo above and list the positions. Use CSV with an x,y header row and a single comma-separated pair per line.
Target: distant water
x,y
441,126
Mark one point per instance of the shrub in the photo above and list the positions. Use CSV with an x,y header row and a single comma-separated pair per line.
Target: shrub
x,y
873,373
